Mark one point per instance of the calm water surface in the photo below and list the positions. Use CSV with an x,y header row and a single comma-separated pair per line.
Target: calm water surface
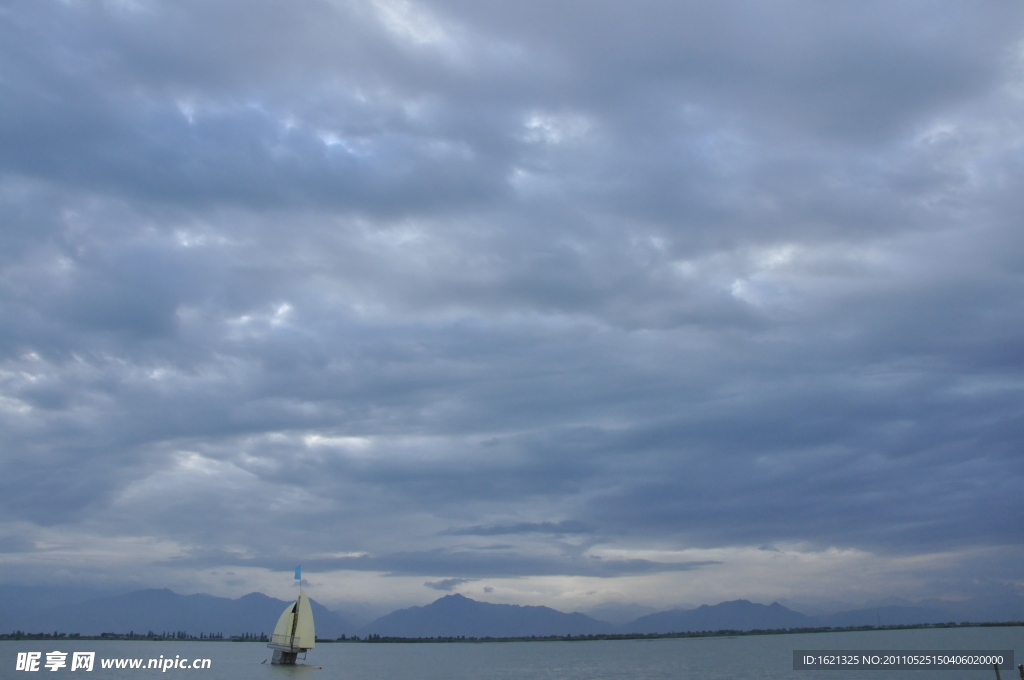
x,y
768,657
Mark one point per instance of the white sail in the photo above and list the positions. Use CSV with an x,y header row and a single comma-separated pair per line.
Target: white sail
x,y
283,630
295,629
305,631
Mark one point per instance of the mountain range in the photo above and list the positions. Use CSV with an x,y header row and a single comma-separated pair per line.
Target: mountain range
x,y
162,611
735,615
455,615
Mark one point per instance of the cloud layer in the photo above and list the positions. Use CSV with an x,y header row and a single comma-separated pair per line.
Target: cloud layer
x,y
371,285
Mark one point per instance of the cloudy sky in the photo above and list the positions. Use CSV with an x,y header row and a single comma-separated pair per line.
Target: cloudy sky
x,y
543,302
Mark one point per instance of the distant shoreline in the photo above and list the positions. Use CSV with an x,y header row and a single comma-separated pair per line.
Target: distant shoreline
x,y
18,635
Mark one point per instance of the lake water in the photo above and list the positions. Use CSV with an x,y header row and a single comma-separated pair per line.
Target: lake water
x,y
767,657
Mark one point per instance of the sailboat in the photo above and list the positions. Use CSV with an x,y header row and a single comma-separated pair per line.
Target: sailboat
x,y
294,633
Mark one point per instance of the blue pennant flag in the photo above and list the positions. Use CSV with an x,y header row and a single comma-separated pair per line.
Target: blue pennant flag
x,y
298,573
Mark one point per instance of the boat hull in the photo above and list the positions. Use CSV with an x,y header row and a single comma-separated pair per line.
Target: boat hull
x,y
283,658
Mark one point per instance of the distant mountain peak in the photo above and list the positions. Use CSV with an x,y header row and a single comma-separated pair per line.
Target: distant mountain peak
x,y
731,615
457,615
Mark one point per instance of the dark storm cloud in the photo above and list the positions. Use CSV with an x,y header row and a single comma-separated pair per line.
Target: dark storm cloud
x,y
325,278
177,104
839,70
15,544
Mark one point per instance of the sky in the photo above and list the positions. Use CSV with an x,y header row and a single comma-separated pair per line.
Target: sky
x,y
565,303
